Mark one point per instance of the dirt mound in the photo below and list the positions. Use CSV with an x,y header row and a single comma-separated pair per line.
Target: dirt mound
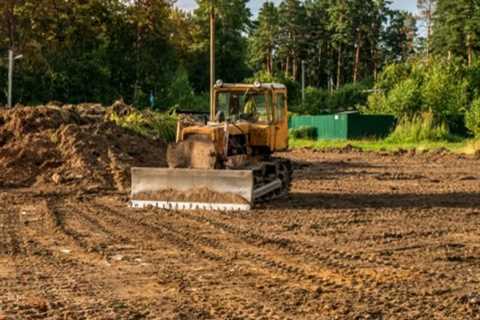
x,y
199,195
71,145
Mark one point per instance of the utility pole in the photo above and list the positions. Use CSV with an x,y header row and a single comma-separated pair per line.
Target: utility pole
x,y
303,81
212,59
11,60
10,77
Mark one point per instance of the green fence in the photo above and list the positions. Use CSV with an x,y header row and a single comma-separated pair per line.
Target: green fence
x,y
346,126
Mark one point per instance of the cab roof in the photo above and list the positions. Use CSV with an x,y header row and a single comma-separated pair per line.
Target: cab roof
x,y
276,86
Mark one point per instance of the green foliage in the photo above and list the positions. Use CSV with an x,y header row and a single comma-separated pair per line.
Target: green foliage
x,y
472,118
264,38
456,27
404,99
293,87
321,101
149,124
304,132
409,89
94,50
233,23
420,128
180,95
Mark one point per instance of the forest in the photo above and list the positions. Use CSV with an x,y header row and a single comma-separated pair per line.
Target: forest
x,y
357,54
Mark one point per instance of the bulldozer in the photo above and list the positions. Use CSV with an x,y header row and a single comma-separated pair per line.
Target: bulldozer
x,y
226,163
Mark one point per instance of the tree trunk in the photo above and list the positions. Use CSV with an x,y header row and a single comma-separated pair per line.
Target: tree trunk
x,y
295,68
374,62
270,62
469,50
357,59
339,67
287,66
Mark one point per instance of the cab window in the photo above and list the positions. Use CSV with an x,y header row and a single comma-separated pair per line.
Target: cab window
x,y
244,105
279,107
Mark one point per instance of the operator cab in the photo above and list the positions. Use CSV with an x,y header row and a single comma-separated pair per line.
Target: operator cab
x,y
257,103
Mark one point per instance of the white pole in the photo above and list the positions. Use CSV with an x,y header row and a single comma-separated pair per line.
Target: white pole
x,y
10,77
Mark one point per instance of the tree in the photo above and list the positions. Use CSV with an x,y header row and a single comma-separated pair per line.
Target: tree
x,y
399,36
426,10
340,26
318,44
264,39
456,28
233,23
292,35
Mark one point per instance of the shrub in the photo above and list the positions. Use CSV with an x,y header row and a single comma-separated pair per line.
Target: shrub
x,y
349,97
472,118
149,123
444,92
409,89
181,96
420,128
404,99
321,101
316,102
392,74
304,132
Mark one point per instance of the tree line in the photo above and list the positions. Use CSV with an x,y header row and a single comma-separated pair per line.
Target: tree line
x,y
438,88
151,52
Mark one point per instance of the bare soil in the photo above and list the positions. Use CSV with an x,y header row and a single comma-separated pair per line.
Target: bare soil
x,y
201,195
361,236
73,147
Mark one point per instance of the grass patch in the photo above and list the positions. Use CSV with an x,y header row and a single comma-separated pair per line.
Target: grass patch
x,y
386,145
421,129
149,124
418,133
471,147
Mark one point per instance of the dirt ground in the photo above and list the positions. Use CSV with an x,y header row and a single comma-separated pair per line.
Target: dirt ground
x,y
362,236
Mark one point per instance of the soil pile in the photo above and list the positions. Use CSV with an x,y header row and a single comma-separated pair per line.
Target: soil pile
x,y
202,195
71,145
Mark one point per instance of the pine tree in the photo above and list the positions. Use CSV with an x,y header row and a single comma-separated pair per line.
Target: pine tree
x,y
233,23
456,28
264,39
318,44
292,35
426,10
340,27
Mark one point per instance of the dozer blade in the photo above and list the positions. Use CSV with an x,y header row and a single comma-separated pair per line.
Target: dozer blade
x,y
192,189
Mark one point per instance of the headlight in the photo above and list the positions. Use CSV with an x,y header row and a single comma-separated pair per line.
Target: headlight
x,y
219,83
257,84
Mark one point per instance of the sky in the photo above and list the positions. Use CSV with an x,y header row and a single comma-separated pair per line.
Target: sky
x,y
409,5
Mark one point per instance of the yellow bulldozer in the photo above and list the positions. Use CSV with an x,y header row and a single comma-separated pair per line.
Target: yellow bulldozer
x,y
227,163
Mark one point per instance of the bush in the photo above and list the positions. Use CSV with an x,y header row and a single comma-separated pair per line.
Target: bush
x,y
316,102
149,123
321,101
444,91
304,132
409,90
404,99
349,97
472,118
420,129
180,95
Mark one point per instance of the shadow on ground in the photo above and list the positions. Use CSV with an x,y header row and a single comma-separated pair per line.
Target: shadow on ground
x,y
379,200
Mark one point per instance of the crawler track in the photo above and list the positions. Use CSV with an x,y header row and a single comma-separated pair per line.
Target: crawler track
x,y
361,236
